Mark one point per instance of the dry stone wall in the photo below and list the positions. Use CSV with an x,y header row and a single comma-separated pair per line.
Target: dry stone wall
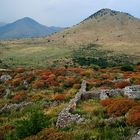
x,y
65,117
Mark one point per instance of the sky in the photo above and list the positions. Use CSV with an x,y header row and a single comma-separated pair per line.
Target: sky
x,y
62,13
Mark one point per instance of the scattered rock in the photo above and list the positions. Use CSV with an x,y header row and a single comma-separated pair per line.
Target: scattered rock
x,y
121,80
5,78
7,93
9,108
137,136
132,91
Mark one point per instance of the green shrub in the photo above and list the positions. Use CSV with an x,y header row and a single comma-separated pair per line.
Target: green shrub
x,y
95,67
127,68
37,122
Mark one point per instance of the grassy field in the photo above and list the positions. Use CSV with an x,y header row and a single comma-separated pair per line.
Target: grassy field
x,y
32,56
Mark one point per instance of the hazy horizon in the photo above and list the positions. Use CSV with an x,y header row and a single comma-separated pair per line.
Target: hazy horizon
x,y
61,13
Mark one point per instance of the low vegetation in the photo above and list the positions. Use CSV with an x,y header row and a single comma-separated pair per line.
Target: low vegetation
x,y
49,91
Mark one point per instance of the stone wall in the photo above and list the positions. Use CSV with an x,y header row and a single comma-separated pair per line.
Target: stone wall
x,y
65,117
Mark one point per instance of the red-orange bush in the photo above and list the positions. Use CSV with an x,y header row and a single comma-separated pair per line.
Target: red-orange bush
x,y
60,78
104,76
59,97
107,102
122,84
61,71
17,81
133,117
70,81
53,83
19,96
120,107
51,134
39,84
20,70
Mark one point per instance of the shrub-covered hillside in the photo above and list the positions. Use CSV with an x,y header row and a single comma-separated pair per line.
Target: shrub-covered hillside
x,y
32,100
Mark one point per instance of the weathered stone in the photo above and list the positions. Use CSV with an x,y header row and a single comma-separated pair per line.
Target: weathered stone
x,y
65,116
121,80
5,78
25,84
132,91
136,136
8,108
7,93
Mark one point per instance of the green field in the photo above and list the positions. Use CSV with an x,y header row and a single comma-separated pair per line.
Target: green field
x,y
32,56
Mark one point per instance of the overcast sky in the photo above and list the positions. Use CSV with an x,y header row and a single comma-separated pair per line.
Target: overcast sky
x,y
62,12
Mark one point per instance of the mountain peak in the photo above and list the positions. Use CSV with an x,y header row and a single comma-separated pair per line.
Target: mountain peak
x,y
26,20
105,12
26,28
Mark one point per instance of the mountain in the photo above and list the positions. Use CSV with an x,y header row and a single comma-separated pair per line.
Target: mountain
x,y
113,29
2,24
26,28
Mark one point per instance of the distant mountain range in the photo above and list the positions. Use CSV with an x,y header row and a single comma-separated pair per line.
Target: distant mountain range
x,y
25,28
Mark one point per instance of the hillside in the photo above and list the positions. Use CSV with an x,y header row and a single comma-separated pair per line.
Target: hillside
x,y
114,30
26,28
57,104
82,83
2,24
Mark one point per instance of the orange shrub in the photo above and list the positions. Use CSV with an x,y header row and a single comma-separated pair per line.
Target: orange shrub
x,y
102,70
17,81
122,84
17,97
60,78
53,83
70,81
39,84
104,76
78,70
51,134
120,107
105,87
133,117
107,102
59,97
20,70
137,82
87,73
38,72
61,71
47,73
